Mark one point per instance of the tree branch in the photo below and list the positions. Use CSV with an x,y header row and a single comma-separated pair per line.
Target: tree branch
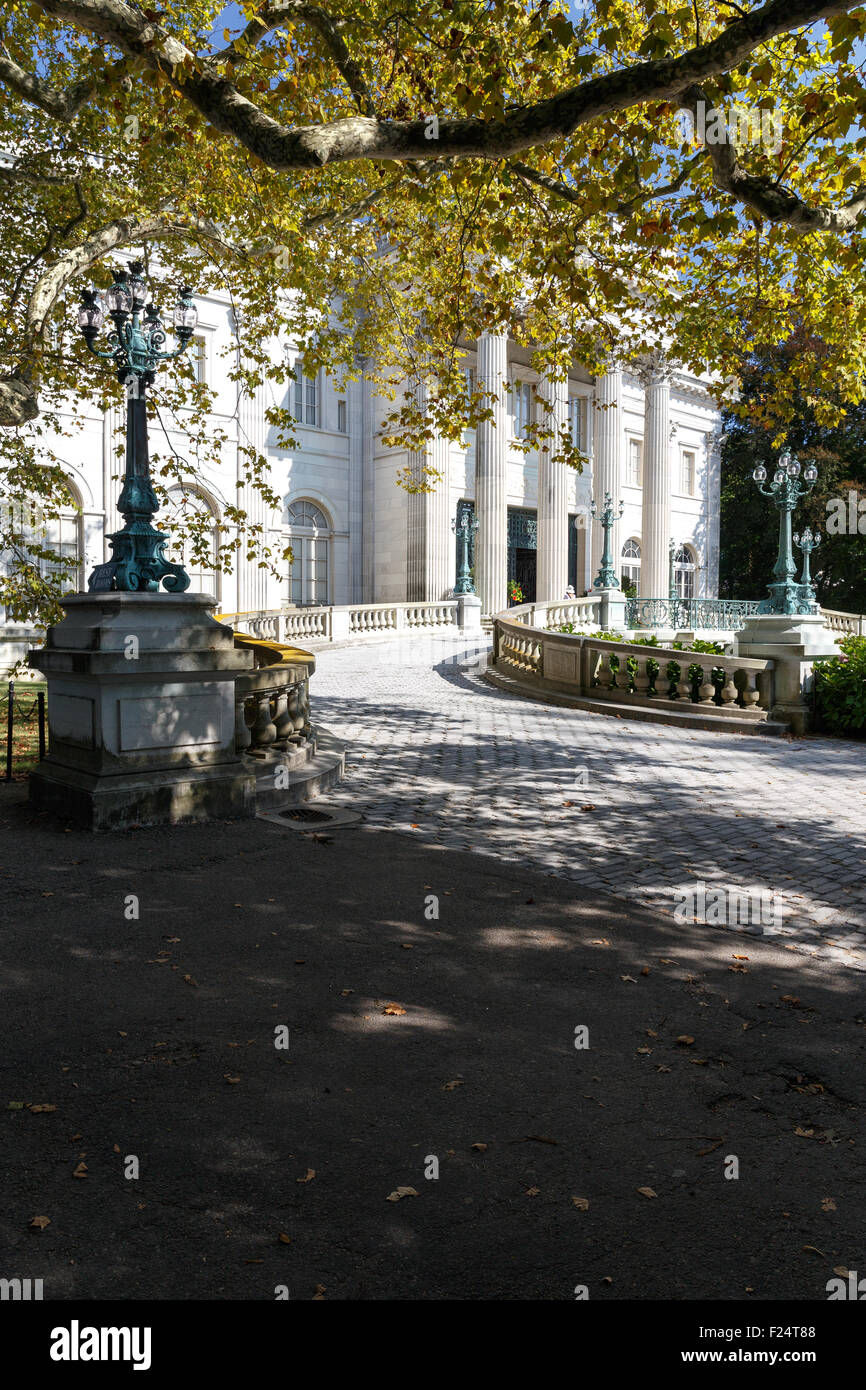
x,y
768,198
574,195
284,148
63,106
270,17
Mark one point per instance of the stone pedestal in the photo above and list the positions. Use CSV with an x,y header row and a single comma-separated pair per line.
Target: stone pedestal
x,y
794,644
141,713
611,615
468,612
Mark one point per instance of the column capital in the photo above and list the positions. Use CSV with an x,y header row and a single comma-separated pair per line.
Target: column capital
x,y
655,370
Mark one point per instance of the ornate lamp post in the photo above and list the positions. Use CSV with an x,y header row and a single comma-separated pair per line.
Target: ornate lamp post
x,y
606,577
806,543
786,489
672,576
138,560
464,527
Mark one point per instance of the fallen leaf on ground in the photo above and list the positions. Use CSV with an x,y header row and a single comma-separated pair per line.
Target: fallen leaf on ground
x,y
647,1192
311,1173
581,1203
319,1295
532,1191
630,978
452,1085
232,1080
80,1171
42,1109
40,1222
286,1240
401,1192
396,1009
685,1040
188,980
601,941
827,1204
479,1148
813,1249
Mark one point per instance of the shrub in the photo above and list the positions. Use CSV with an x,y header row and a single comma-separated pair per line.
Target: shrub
x,y
840,686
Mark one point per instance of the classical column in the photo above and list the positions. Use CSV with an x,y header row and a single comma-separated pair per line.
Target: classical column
x,y
552,573
355,420
491,461
252,582
369,408
712,510
656,510
607,461
429,577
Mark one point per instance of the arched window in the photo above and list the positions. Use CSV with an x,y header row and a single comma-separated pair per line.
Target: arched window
x,y
27,528
685,568
197,551
631,563
309,535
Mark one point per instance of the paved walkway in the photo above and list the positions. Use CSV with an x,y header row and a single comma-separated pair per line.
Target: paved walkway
x,y
643,812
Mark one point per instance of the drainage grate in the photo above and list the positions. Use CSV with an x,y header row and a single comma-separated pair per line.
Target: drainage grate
x,y
307,817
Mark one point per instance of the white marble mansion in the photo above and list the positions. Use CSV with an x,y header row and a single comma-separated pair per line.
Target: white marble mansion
x,y
358,537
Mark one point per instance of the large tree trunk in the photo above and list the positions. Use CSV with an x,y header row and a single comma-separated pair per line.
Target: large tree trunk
x,y
18,402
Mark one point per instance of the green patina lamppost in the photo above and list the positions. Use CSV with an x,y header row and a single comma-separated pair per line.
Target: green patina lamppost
x,y
786,489
464,527
135,346
606,577
806,543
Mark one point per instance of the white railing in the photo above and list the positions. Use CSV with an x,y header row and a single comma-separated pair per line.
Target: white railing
x,y
844,622
581,612
633,673
344,622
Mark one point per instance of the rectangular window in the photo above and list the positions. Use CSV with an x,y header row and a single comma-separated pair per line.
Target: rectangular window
x,y
634,463
308,575
687,472
198,357
306,398
576,422
342,417
522,393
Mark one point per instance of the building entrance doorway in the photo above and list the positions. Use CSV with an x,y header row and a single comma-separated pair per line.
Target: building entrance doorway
x,y
525,562
523,550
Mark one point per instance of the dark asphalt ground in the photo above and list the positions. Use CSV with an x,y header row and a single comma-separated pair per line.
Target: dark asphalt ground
x,y
133,1029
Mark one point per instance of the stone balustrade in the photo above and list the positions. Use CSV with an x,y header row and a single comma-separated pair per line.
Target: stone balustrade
x,y
594,668
846,623
349,622
272,701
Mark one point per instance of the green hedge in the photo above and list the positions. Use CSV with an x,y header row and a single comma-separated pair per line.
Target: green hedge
x,y
840,686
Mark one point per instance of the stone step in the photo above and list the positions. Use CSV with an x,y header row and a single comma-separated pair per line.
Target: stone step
x,y
309,777
686,718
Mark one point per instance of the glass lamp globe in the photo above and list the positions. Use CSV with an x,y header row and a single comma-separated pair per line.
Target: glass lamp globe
x,y
90,315
118,299
779,476
760,474
185,312
793,467
811,473
137,286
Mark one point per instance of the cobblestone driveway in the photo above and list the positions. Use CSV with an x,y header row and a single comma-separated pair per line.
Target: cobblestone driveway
x,y
642,811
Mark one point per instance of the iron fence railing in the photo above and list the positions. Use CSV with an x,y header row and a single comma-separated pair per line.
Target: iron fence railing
x,y
690,614
20,707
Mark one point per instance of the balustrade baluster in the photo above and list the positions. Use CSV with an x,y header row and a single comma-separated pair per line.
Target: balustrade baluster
x,y
264,731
